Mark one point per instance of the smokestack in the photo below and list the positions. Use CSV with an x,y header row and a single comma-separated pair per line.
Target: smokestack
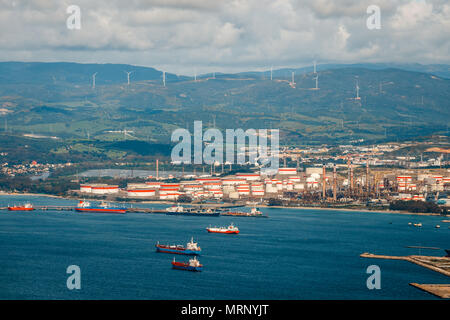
x,y
351,177
157,169
348,173
367,177
334,184
323,182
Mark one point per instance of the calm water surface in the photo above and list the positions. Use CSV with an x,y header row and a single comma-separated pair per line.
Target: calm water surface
x,y
295,254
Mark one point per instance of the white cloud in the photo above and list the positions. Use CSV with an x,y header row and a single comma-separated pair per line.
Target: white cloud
x,y
225,35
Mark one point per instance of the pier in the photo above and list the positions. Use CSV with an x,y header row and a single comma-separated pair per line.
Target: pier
x,y
437,264
135,210
439,290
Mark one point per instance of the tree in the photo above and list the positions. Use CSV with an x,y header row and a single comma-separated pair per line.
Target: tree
x,y
184,199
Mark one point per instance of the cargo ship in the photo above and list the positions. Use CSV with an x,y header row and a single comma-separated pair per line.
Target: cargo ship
x,y
231,229
192,265
85,206
254,212
201,211
25,207
191,248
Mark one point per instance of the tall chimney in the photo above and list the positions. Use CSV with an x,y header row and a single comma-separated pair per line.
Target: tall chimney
x,y
367,177
323,182
157,168
334,184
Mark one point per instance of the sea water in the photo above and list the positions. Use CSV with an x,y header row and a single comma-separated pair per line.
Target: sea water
x,y
294,254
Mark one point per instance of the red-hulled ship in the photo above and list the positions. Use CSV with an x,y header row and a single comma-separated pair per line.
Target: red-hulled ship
x,y
25,207
85,206
231,229
192,265
191,248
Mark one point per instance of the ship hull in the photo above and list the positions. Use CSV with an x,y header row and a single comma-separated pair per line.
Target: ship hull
x,y
185,267
101,210
186,213
243,215
178,251
224,232
20,209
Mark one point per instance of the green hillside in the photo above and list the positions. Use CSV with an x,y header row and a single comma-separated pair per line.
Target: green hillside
x,y
394,103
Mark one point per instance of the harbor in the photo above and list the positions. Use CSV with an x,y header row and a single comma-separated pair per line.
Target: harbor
x,y
209,210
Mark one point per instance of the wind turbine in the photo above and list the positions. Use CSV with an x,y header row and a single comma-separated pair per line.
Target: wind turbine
x,y
164,78
128,76
271,72
127,133
357,91
93,80
317,81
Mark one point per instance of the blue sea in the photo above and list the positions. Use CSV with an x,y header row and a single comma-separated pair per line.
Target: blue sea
x,y
294,254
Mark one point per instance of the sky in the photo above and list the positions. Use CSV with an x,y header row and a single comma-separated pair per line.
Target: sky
x,y
201,36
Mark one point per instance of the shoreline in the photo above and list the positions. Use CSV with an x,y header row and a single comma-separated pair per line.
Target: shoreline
x,y
261,205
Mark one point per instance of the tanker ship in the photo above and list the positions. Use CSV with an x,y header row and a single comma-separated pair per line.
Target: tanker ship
x,y
201,211
25,207
191,248
85,206
192,265
254,212
231,229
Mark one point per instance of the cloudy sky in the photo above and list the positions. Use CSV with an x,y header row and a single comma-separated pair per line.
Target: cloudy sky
x,y
187,36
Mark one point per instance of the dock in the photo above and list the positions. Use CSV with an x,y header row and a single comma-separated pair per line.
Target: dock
x,y
439,290
437,264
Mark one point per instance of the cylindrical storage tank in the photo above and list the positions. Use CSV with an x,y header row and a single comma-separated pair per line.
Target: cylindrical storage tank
x,y
299,186
285,171
234,195
104,189
141,192
258,193
85,188
270,188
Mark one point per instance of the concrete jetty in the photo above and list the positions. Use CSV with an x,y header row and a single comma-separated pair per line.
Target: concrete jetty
x,y
439,290
437,264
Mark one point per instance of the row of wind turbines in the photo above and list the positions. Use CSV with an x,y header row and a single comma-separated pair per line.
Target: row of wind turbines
x,y
291,83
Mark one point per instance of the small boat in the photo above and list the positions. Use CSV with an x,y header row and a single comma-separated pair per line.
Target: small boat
x,y
438,226
191,248
417,224
25,207
85,206
192,265
231,229
409,223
